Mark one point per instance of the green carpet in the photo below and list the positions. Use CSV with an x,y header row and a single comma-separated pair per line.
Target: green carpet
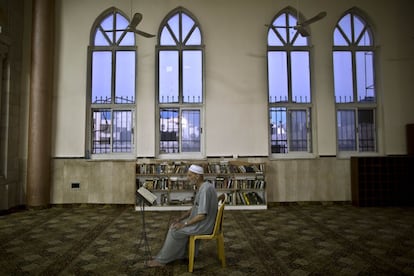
x,y
336,239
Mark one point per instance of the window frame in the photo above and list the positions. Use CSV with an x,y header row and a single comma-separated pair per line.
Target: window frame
x,y
113,106
180,105
356,104
290,104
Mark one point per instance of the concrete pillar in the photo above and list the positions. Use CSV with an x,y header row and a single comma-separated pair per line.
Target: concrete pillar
x,y
40,106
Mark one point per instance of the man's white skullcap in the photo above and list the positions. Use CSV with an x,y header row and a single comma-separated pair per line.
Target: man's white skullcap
x,y
196,169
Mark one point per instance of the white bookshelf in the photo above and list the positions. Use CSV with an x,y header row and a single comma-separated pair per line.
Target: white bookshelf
x,y
243,182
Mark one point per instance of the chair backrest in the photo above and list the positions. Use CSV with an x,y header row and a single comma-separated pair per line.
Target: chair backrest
x,y
218,226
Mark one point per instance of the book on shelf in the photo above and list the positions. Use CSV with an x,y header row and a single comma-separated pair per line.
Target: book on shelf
x,y
164,199
155,183
248,198
239,199
256,198
219,182
229,183
148,184
175,202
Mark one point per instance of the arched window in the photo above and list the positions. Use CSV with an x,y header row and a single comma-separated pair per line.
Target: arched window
x,y
289,88
354,86
180,97
111,86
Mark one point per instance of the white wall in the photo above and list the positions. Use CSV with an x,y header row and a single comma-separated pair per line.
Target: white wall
x,y
235,39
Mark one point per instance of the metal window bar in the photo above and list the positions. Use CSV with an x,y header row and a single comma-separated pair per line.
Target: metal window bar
x,y
366,141
124,100
169,130
101,133
169,146
278,140
301,99
168,99
298,130
192,99
102,100
366,130
346,130
276,99
122,131
190,133
347,144
343,99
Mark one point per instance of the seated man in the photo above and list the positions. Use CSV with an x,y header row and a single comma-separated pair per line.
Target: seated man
x,y
198,220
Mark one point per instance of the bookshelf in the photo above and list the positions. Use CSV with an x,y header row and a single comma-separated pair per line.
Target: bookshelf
x,y
243,182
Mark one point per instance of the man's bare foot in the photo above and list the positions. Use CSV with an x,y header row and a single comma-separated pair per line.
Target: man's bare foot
x,y
154,263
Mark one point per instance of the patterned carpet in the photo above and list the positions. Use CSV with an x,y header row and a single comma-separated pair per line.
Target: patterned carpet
x,y
309,239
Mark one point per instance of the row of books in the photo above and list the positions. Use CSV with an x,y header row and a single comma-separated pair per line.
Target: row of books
x,y
163,199
165,183
235,198
162,168
228,168
182,168
166,200
244,198
221,182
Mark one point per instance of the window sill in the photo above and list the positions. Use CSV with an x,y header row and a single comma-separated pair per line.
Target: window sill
x,y
301,155
348,155
112,157
191,156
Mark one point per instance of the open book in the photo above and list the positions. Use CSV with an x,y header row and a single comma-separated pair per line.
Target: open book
x,y
149,197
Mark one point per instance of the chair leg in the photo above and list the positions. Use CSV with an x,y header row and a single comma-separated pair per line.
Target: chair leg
x,y
220,250
191,251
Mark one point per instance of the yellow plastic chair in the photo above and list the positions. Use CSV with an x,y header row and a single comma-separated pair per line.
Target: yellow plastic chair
x,y
216,235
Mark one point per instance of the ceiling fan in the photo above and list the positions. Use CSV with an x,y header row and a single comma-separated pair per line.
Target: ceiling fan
x,y
134,23
301,27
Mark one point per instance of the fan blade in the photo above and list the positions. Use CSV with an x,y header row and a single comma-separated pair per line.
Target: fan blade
x,y
144,34
134,23
302,31
317,17
135,20
274,26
